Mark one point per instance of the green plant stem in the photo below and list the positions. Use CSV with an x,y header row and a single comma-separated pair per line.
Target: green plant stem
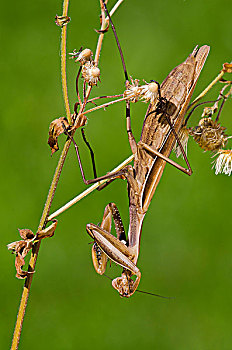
x,y
204,92
63,62
34,255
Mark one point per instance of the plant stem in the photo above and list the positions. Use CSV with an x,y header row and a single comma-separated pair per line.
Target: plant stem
x,y
118,3
34,255
89,190
106,105
63,62
204,92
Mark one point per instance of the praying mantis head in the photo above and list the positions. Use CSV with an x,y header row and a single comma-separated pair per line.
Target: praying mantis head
x,y
125,285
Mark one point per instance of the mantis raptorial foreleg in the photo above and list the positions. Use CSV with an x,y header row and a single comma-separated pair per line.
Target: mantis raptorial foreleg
x,y
98,256
115,249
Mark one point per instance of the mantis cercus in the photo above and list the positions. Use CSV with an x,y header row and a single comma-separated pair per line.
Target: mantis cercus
x,y
161,126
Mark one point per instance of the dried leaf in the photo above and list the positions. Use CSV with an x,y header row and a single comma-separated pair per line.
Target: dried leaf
x,y
57,127
22,248
102,31
26,233
19,262
227,67
47,232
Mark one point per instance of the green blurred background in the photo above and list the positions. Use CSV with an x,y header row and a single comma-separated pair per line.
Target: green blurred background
x,y
186,240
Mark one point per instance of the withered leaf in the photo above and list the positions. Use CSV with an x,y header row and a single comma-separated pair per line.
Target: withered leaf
x,y
102,30
57,127
227,67
47,232
19,263
21,248
26,233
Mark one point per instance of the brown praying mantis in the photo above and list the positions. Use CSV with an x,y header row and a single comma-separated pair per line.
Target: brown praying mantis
x,y
161,126
163,121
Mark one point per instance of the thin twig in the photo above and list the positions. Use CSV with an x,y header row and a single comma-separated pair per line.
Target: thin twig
x,y
105,96
115,8
106,105
88,191
77,89
204,92
63,62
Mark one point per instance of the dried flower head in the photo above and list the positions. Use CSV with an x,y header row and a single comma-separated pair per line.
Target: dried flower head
x,y
209,111
209,135
223,163
91,73
183,137
136,92
150,92
133,91
82,56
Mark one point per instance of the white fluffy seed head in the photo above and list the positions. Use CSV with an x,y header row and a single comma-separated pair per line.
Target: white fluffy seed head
x,y
95,71
223,163
150,92
153,87
91,73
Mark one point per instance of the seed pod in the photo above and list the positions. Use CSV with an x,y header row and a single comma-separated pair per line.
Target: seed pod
x,y
82,56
